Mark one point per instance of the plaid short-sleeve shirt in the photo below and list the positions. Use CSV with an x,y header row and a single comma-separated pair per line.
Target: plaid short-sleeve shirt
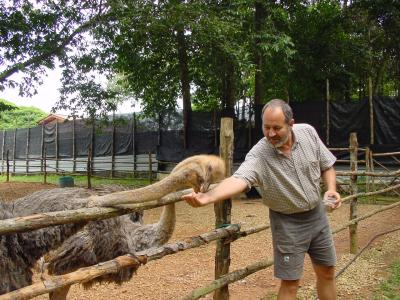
x,y
288,184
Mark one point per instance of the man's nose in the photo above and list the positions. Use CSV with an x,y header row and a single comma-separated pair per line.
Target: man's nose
x,y
271,133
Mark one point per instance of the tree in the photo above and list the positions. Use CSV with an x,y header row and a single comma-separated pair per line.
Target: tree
x,y
19,116
207,53
379,21
34,35
6,106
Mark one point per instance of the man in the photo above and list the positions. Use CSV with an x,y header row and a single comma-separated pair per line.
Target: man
x,y
287,165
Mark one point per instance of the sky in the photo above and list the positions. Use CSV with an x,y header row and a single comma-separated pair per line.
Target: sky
x,y
47,95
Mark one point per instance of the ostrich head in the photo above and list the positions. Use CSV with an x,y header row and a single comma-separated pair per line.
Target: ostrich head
x,y
200,171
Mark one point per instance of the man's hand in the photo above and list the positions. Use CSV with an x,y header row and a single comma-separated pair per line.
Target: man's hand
x,y
225,190
197,199
333,194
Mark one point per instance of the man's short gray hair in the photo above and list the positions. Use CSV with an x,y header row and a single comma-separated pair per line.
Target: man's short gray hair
x,y
274,103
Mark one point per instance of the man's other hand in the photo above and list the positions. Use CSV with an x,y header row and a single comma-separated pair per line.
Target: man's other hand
x,y
336,195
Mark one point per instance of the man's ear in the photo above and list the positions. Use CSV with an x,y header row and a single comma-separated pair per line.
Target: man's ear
x,y
291,122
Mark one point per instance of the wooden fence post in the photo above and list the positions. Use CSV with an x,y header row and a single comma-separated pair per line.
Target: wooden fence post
x,y
371,111
42,149
73,145
215,128
250,139
354,190
368,179
56,146
328,121
28,133
113,147
89,167
372,168
8,167
134,144
44,164
150,168
14,147
223,209
2,151
367,169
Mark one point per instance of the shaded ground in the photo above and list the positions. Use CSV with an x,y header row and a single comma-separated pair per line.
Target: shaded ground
x,y
175,276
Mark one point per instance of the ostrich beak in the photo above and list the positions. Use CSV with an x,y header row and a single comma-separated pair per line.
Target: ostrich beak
x,y
204,187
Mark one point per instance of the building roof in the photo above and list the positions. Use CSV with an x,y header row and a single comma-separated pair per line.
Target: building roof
x,y
53,118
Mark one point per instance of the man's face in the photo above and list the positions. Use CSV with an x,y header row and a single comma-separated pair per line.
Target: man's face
x,y
275,128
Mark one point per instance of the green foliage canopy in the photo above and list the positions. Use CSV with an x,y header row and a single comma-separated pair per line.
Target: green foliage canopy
x,y
148,48
19,116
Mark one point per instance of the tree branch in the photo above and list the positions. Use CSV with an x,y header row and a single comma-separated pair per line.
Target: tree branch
x,y
37,59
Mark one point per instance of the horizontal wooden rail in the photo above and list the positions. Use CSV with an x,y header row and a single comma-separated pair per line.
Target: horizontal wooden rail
x,y
348,160
27,223
83,161
388,189
385,154
345,149
372,174
363,217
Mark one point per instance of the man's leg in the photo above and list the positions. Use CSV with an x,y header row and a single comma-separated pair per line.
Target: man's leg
x,y
326,285
288,289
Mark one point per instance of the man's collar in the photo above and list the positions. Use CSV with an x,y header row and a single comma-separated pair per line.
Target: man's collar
x,y
295,141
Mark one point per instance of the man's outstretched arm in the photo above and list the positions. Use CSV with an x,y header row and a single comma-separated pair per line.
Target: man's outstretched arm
x,y
226,189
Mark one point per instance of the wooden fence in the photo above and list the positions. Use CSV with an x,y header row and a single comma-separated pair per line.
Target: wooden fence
x,y
223,235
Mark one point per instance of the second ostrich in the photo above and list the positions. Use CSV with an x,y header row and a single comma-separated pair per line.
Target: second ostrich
x,y
20,251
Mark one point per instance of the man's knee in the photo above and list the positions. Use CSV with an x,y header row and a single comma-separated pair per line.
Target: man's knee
x,y
324,272
290,286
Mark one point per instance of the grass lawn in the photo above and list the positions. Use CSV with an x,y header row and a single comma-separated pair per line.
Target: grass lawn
x,y
390,289
79,180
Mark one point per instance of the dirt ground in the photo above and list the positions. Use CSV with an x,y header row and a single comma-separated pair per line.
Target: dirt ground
x,y
176,275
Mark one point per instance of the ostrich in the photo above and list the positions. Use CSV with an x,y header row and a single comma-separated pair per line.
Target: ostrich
x,y
19,252
103,240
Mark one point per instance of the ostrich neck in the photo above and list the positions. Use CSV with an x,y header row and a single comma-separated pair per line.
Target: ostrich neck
x,y
155,191
166,224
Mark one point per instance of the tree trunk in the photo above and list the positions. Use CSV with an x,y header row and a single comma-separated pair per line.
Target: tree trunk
x,y
259,19
228,89
185,83
378,82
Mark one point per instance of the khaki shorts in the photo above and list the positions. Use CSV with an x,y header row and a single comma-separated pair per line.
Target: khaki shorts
x,y
296,234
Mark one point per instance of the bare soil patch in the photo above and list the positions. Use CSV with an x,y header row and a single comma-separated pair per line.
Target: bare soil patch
x,y
14,190
175,276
